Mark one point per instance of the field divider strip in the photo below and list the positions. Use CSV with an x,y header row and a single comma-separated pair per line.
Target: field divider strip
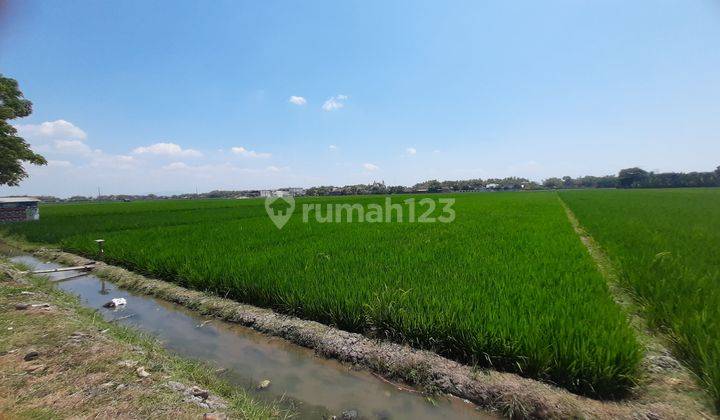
x,y
506,393
663,377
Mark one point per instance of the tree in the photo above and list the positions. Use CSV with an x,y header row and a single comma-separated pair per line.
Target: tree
x,y
434,186
608,181
14,150
553,183
631,177
717,171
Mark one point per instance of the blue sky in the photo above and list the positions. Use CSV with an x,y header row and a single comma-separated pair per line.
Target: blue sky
x,y
164,97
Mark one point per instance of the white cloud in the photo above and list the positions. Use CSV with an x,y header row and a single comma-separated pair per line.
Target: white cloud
x,y
105,161
272,168
58,129
75,147
436,151
175,166
82,168
370,167
59,163
220,171
334,103
68,150
205,171
249,153
166,149
411,151
297,100
333,148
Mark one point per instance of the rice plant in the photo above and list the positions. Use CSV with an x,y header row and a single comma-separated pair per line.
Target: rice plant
x,y
508,284
665,243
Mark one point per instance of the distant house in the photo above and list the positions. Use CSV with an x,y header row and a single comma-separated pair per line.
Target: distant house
x,y
492,186
19,209
296,191
281,193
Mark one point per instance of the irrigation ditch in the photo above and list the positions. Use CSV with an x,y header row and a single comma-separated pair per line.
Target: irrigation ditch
x,y
666,391
269,369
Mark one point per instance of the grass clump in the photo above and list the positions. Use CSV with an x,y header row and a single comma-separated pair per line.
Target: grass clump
x,y
79,369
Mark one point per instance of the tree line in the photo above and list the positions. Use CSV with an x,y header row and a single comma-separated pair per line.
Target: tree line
x,y
639,178
626,178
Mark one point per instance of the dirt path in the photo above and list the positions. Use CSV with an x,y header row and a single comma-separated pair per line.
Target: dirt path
x,y
664,378
59,360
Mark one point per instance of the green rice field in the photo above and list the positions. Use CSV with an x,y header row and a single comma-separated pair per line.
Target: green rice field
x,y
508,284
666,245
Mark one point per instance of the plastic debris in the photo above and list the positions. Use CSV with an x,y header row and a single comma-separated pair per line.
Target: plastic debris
x,y
115,302
141,372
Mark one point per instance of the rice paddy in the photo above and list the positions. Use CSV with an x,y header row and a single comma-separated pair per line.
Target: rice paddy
x,y
508,284
665,244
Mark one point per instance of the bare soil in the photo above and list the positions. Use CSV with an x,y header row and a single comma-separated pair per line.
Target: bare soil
x,y
58,360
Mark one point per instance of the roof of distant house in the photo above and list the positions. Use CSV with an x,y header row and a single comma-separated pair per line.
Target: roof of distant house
x,y
19,200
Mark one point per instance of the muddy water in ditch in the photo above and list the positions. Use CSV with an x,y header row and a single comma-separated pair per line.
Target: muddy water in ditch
x,y
312,386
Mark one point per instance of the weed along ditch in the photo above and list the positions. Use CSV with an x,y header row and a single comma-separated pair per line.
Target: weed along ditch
x,y
270,368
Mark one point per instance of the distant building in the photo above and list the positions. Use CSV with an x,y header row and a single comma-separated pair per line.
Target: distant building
x,y
492,186
281,193
19,209
296,191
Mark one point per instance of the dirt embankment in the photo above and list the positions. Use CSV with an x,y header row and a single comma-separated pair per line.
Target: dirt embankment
x,y
59,360
507,393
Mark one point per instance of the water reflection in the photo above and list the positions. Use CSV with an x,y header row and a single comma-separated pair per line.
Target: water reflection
x,y
316,387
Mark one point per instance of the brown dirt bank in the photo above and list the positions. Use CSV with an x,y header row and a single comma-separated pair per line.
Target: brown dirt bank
x,y
60,360
508,393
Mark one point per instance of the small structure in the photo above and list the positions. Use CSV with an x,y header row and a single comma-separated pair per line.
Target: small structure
x,y
295,192
281,193
19,209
